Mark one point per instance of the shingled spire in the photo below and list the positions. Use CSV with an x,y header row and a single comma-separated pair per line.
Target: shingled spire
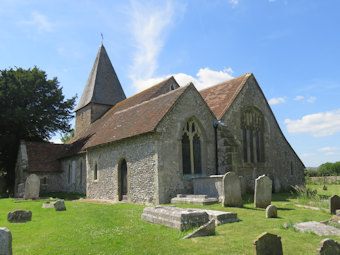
x,y
101,92
102,86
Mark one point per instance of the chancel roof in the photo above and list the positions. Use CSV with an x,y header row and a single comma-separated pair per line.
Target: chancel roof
x,y
221,96
102,86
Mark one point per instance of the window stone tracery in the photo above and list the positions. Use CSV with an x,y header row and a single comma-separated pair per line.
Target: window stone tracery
x,y
252,134
191,148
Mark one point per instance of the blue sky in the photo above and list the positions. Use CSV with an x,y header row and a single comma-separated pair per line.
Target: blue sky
x,y
291,46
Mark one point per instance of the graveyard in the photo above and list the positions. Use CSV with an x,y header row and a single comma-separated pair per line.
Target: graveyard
x,y
89,227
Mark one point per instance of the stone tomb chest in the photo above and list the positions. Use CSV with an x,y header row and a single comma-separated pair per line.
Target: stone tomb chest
x,y
175,217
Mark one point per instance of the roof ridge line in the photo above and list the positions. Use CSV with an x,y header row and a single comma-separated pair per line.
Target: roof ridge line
x,y
154,98
224,82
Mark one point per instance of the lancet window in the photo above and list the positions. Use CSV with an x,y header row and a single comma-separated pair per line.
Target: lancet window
x,y
191,148
252,135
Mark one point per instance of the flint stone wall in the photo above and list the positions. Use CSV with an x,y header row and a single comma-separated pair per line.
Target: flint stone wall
x,y
141,158
169,145
279,156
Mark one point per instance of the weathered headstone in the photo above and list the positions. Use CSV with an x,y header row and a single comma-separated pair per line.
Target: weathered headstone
x,y
328,247
21,189
231,190
271,211
277,185
59,205
263,191
32,187
334,204
5,242
268,244
207,229
243,185
19,216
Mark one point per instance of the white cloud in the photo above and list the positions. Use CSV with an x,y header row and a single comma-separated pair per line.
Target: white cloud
x,y
277,100
39,21
150,24
331,153
307,155
317,124
329,149
298,98
204,78
311,99
234,2
58,141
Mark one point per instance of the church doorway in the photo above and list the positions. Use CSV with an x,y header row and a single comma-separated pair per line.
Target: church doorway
x,y
122,181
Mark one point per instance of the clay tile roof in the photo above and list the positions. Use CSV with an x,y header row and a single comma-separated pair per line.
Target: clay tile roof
x,y
134,116
220,96
43,156
102,86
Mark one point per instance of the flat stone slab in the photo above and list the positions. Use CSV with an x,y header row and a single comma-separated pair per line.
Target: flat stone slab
x,y
194,199
207,229
317,227
48,205
175,217
221,217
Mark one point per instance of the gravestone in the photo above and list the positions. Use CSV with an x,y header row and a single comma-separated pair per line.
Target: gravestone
x,y
207,229
334,204
19,216
231,190
263,191
271,211
21,189
267,244
32,187
328,247
5,242
243,185
59,205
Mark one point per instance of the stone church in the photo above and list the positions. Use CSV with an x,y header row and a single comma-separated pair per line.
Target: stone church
x,y
155,144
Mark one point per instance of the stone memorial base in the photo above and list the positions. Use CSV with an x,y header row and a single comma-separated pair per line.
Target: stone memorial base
x,y
175,217
184,219
194,199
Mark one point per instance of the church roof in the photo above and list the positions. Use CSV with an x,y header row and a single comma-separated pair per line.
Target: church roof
x,y
42,156
133,116
102,86
221,96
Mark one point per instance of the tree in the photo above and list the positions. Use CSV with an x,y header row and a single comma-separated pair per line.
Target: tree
x,y
68,136
31,108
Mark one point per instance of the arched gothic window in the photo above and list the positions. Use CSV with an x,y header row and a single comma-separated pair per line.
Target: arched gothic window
x,y
252,134
191,148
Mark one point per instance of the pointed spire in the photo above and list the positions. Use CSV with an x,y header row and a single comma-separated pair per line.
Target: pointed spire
x,y
102,86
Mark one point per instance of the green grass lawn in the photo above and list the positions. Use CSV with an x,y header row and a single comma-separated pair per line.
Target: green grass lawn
x,y
87,228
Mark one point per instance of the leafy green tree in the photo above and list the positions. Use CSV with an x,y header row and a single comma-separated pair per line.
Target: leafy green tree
x,y
31,108
68,136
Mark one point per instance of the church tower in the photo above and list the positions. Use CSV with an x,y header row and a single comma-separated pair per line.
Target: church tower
x,y
101,92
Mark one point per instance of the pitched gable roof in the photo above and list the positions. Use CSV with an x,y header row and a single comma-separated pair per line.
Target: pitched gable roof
x,y
133,116
221,96
102,86
43,156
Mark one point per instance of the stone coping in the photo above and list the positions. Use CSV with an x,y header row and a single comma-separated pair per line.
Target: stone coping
x,y
208,177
